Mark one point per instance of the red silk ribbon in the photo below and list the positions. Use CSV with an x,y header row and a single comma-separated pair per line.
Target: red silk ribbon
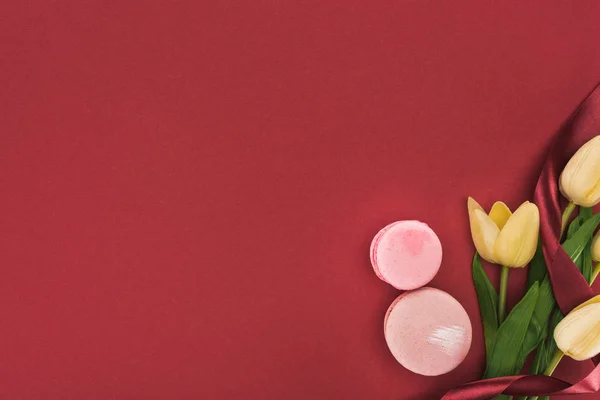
x,y
570,288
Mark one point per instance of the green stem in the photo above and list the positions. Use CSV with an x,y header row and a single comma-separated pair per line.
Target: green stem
x,y
566,216
502,294
554,363
595,273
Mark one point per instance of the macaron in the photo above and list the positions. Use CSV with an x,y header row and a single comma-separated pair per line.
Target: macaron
x,y
428,331
406,254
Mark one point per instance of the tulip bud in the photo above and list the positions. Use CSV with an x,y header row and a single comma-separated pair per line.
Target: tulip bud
x,y
503,237
518,239
578,334
580,180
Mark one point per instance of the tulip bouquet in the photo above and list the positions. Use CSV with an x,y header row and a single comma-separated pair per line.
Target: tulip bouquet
x,y
511,240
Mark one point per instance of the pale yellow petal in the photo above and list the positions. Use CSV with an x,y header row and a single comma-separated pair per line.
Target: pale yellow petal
x,y
580,179
484,231
473,205
500,213
578,334
518,239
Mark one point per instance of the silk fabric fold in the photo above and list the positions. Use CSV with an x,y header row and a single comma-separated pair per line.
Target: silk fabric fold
x,y
570,288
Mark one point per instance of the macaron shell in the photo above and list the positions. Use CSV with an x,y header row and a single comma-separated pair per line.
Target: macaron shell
x,y
375,246
406,254
428,331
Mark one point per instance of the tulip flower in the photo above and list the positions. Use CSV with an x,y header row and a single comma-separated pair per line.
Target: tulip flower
x,y
578,334
580,180
503,237
506,238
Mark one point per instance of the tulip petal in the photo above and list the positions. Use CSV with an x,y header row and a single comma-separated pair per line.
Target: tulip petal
x,y
518,239
580,179
483,230
500,213
473,205
578,334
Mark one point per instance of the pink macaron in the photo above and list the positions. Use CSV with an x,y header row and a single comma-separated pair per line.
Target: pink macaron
x,y
428,331
406,254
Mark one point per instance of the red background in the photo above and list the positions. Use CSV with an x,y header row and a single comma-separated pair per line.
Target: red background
x,y
189,188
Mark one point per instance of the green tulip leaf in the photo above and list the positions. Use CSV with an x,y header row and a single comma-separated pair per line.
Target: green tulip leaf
x,y
586,213
538,327
511,336
575,245
586,261
539,361
586,258
551,347
574,226
488,305
537,266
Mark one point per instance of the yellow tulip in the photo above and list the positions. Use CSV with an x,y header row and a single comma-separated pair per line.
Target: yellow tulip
x,y
580,180
502,237
578,334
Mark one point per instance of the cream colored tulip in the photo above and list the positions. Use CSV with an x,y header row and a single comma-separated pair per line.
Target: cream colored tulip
x,y
502,237
580,180
578,334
